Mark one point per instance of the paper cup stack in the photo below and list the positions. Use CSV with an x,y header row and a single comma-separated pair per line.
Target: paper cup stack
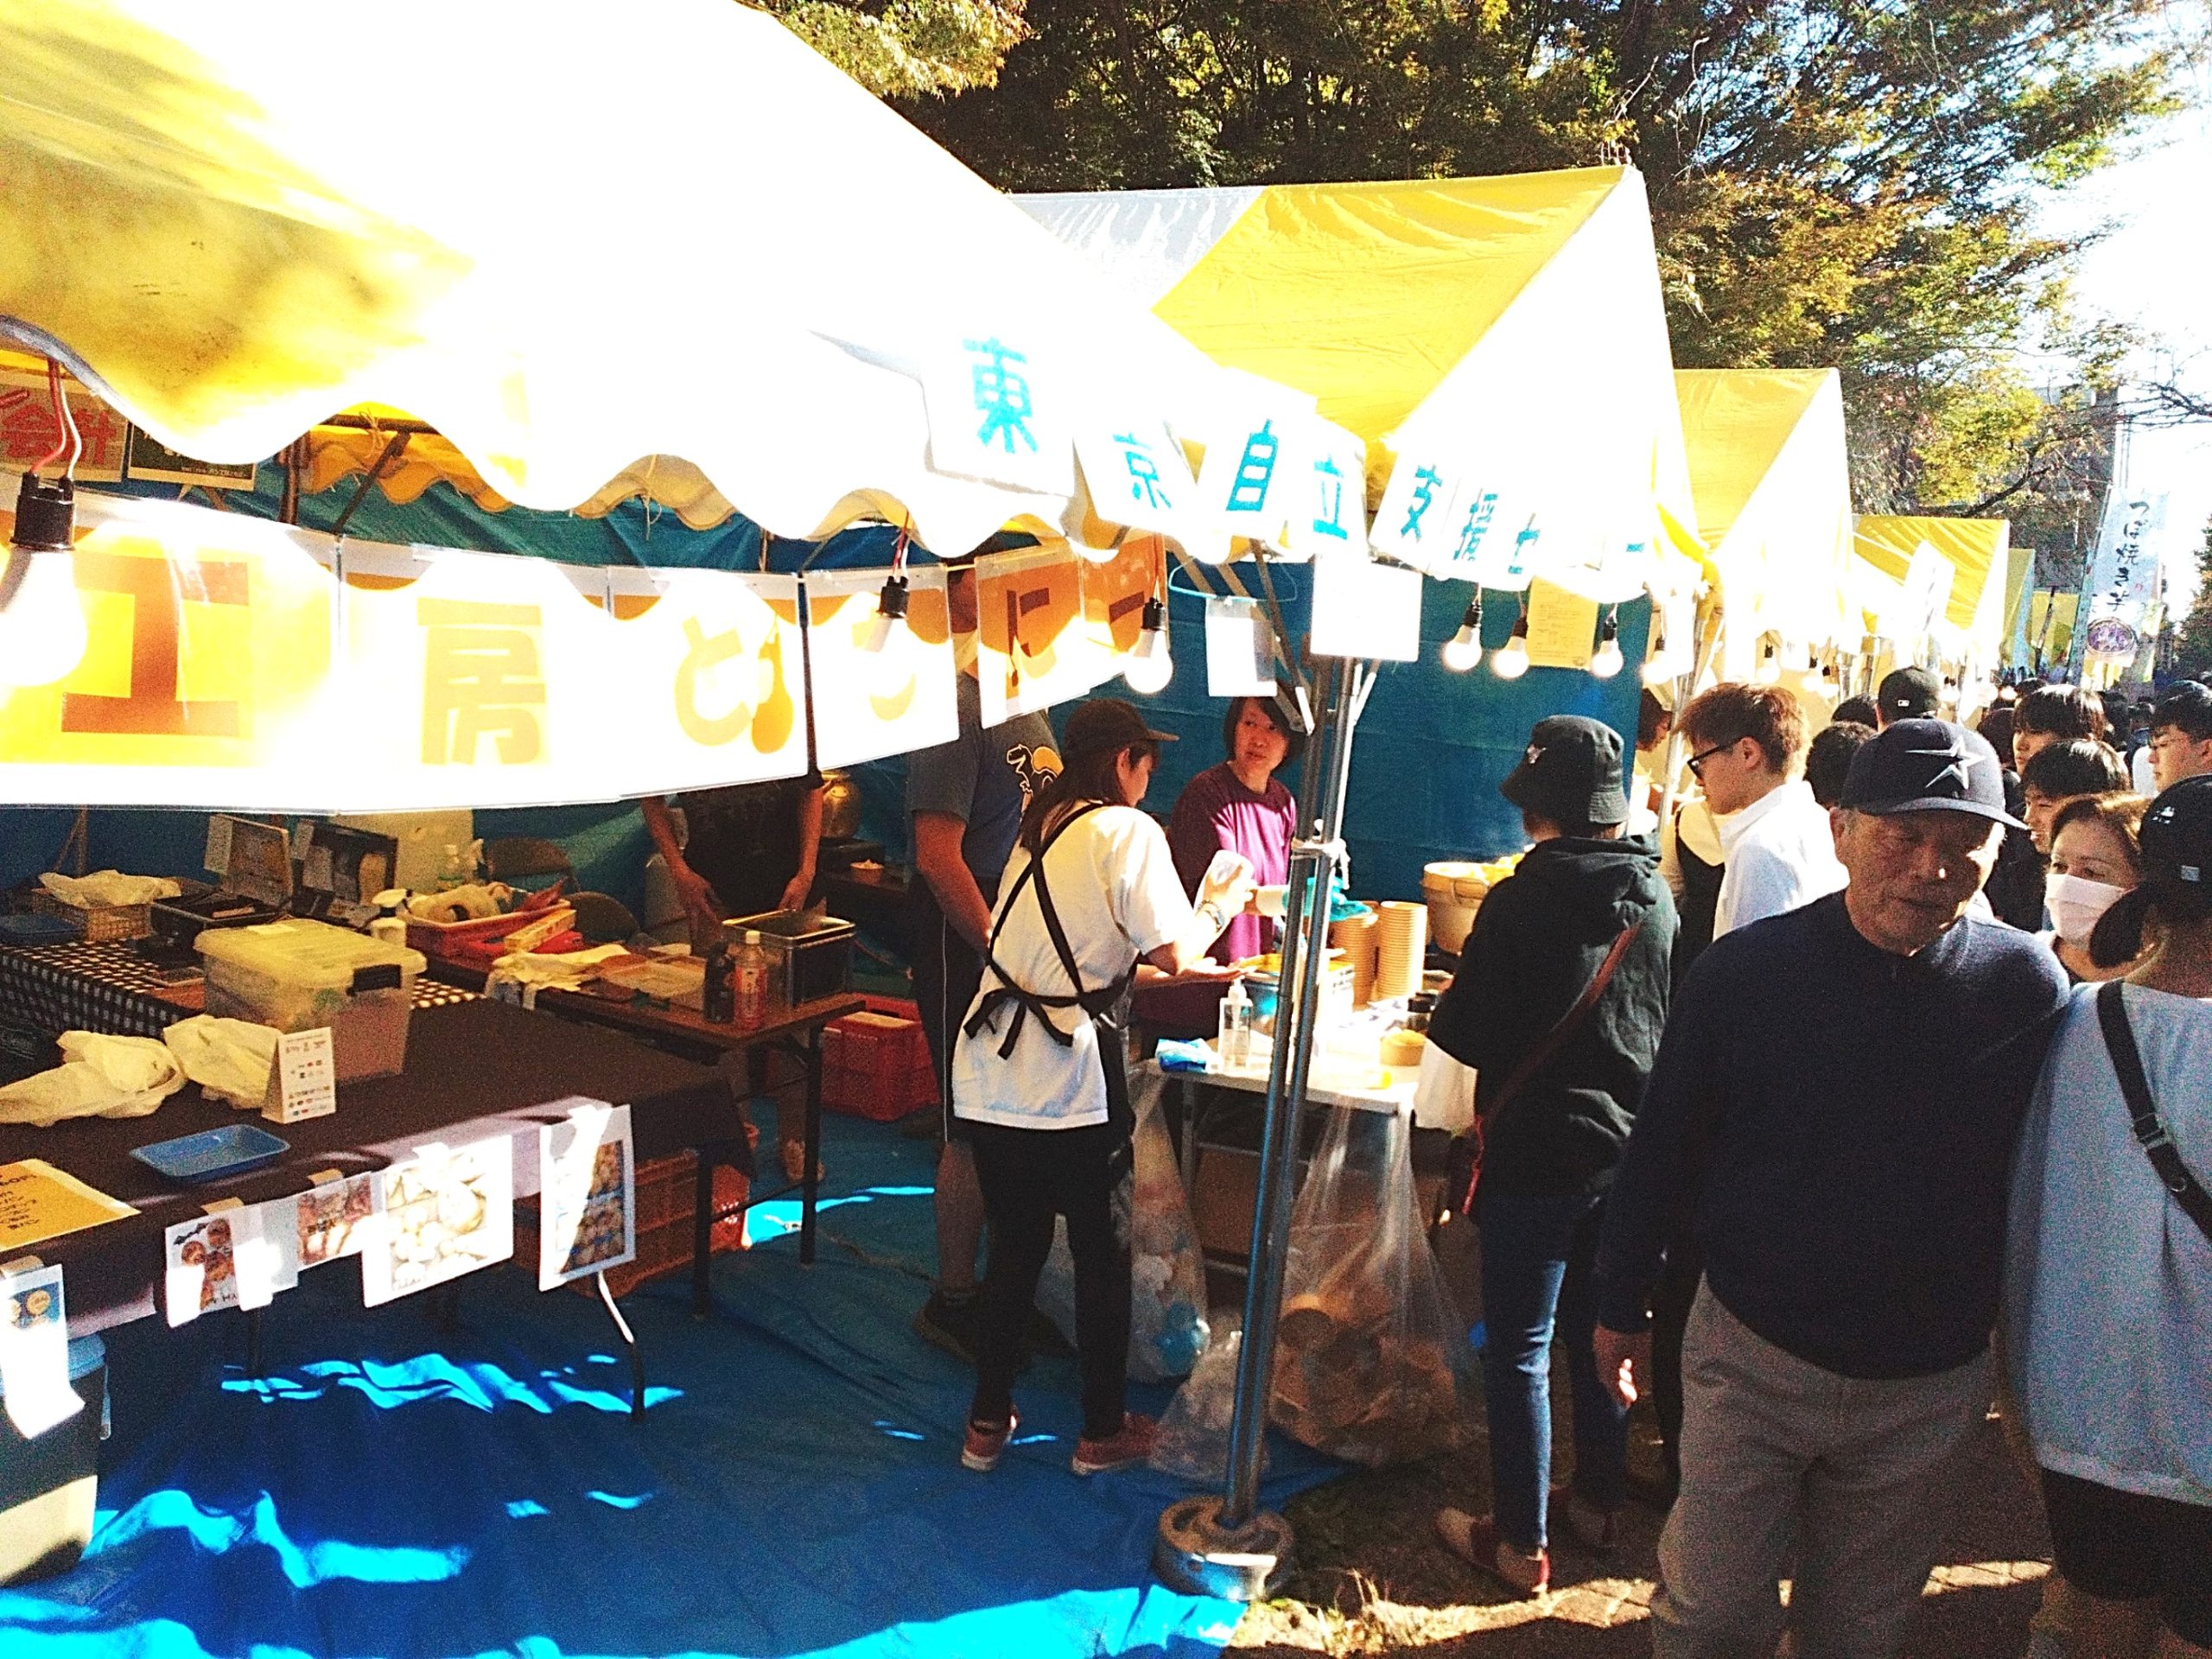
x,y
1355,937
1454,890
1401,942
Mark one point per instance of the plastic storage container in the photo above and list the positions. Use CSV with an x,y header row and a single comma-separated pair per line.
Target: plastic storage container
x,y
49,1486
296,974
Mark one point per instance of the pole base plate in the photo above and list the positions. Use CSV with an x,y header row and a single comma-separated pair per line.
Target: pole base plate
x,y
1196,1554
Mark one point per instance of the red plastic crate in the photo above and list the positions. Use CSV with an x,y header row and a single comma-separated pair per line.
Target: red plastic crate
x,y
876,1064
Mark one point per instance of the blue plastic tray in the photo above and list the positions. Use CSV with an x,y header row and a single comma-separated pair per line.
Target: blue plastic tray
x,y
212,1154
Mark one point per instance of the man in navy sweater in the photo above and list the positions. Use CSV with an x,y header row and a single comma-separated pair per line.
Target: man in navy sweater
x,y
1838,1089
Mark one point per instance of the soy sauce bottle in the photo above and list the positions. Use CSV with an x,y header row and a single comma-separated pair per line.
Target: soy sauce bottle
x,y
718,990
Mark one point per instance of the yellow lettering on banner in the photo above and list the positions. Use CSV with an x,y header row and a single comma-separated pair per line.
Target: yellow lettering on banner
x,y
1027,603
158,589
1115,592
480,678
704,655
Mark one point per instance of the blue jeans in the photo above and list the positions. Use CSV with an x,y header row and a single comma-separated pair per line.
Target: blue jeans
x,y
1537,1257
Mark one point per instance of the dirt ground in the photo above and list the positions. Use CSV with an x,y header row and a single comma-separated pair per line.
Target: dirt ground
x,y
1373,1580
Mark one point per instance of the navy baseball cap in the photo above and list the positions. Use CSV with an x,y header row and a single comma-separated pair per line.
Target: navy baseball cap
x,y
2176,837
1570,772
1909,694
1927,765
1107,723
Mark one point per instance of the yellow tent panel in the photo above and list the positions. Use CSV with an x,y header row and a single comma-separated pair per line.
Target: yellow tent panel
x,y
1977,552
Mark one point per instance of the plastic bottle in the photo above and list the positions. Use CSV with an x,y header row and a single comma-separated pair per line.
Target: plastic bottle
x,y
718,990
453,869
1234,1039
751,970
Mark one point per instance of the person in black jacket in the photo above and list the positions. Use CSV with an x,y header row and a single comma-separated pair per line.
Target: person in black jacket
x,y
1560,1075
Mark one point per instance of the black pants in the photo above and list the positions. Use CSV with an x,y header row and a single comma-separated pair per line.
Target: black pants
x,y
947,970
2125,1547
1029,1177
1671,1312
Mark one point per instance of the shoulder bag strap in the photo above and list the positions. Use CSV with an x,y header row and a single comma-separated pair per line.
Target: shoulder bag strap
x,y
2135,1089
1535,1060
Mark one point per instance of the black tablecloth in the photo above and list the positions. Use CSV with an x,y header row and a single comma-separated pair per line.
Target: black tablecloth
x,y
467,1061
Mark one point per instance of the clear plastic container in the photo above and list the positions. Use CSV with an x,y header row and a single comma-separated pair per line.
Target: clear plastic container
x,y
296,975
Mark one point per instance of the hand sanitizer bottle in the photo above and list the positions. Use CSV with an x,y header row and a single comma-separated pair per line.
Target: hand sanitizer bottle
x,y
1234,1039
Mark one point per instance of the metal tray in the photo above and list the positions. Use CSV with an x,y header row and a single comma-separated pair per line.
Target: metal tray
x,y
212,1154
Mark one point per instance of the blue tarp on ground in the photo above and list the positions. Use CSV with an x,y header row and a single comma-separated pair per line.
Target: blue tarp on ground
x,y
394,1489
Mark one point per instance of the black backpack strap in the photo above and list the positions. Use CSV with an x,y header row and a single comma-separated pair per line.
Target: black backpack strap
x,y
2135,1089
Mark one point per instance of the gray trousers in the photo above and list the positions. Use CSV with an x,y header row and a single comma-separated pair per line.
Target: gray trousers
x,y
1784,1463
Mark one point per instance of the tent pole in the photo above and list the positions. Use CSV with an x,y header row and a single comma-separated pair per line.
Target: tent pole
x,y
1229,1546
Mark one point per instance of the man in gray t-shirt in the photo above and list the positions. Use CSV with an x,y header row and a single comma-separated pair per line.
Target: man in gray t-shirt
x,y
965,799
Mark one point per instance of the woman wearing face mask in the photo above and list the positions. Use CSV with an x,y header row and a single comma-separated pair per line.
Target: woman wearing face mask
x,y
2093,861
2108,1282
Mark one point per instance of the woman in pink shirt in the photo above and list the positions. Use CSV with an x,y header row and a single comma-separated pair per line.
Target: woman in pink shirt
x,y
1239,805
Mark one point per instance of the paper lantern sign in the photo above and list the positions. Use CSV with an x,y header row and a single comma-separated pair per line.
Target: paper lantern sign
x,y
879,688
1033,648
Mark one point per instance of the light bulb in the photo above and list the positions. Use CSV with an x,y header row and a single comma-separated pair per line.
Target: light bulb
x,y
1511,660
42,634
888,643
1465,649
1149,667
1607,661
1769,672
1658,670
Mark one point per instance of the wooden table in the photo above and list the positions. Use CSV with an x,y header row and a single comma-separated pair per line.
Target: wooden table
x,y
794,1030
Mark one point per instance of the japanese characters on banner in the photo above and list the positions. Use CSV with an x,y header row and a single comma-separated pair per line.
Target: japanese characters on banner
x,y
1135,473
1115,592
2123,576
216,650
1033,648
1457,526
880,688
999,414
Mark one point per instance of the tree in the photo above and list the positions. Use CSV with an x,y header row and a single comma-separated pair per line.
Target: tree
x,y
1847,182
2190,645
907,48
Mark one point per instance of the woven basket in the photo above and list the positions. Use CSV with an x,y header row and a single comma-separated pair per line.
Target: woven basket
x,y
102,922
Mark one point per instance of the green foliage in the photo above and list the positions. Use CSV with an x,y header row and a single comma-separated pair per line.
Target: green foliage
x,y
2192,639
1832,181
907,48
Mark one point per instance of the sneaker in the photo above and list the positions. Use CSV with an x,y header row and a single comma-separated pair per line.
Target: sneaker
x,y
1594,1528
982,1449
1122,1451
1474,1539
950,1326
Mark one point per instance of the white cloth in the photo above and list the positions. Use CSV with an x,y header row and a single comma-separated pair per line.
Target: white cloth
x,y
1779,852
1118,897
105,888
2108,1283
99,1076
228,1058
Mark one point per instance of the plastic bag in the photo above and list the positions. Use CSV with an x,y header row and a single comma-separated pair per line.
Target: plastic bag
x,y
1363,1358
105,888
1194,1429
228,1058
1168,1270
98,1077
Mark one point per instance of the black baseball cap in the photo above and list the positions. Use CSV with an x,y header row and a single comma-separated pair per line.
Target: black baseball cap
x,y
1106,724
1927,765
1909,694
1570,772
2176,837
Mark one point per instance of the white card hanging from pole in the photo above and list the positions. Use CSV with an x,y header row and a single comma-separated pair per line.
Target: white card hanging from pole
x,y
588,1213
1364,609
34,1349
1240,658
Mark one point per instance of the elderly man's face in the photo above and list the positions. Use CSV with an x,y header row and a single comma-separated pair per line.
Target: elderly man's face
x,y
1912,874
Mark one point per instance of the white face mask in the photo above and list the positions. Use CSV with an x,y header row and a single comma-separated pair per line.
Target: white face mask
x,y
2075,903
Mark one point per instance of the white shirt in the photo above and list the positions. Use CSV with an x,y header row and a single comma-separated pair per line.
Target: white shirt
x,y
2108,1283
2146,780
1118,897
1780,854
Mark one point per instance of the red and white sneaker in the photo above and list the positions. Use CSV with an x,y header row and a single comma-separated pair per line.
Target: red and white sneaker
x,y
1474,1539
984,1446
1131,1446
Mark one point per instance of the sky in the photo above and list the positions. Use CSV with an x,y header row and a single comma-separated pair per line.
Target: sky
x,y
2154,270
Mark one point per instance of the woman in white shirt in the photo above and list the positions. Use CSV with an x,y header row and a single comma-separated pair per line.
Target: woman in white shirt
x,y
2108,1290
1091,893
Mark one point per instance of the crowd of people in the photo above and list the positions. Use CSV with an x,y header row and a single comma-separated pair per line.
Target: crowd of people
x,y
1886,1036
1923,1053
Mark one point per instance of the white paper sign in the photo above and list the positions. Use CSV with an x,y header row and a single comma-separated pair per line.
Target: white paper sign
x,y
335,1218
34,1351
1416,522
237,1255
448,1212
1240,661
997,413
303,1082
1363,609
1135,474
588,1213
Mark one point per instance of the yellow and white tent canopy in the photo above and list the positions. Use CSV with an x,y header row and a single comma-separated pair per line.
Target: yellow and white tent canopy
x,y
1499,345
1772,478
1933,588
568,238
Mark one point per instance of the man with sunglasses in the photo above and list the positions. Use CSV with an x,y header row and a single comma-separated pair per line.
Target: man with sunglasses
x,y
1747,746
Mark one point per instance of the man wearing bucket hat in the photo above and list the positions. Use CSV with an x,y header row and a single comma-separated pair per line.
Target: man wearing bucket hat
x,y
1558,1004
1839,1094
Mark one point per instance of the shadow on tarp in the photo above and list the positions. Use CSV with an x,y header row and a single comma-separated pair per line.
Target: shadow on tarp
x,y
393,1488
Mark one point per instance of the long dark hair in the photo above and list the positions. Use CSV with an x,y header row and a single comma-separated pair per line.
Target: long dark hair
x,y
1093,777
